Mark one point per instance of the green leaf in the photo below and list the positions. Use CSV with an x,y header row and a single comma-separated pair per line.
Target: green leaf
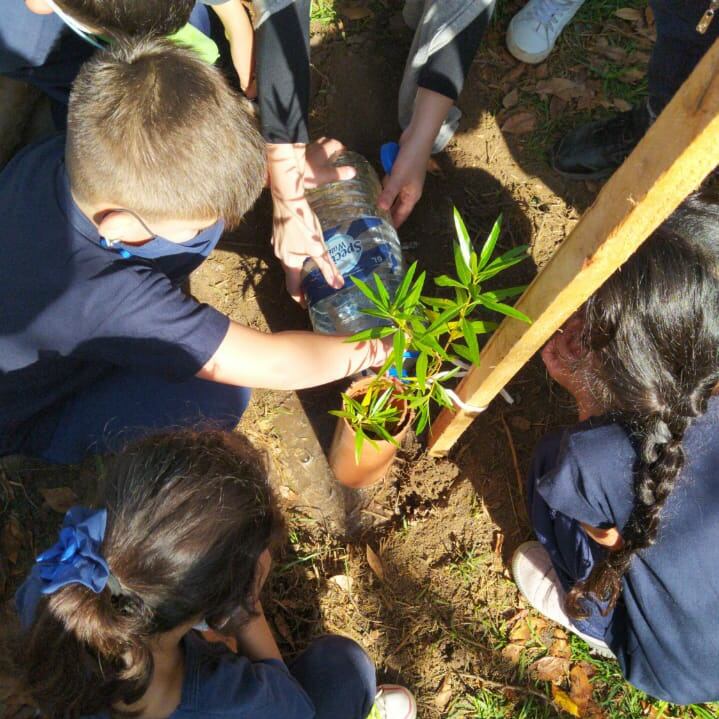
x,y
398,345
505,310
381,290
462,351
421,370
359,441
422,419
387,436
373,333
505,293
464,244
481,327
471,340
380,314
441,396
447,281
399,295
435,302
443,317
416,292
489,245
366,291
462,267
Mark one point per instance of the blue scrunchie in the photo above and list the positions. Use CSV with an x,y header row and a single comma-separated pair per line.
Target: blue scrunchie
x,y
74,559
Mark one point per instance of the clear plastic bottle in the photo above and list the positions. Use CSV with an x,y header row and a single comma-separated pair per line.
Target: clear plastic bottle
x,y
361,241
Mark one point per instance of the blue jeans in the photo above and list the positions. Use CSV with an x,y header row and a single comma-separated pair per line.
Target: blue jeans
x,y
678,48
338,677
126,405
572,552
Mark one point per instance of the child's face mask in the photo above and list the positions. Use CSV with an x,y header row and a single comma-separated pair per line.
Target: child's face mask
x,y
77,27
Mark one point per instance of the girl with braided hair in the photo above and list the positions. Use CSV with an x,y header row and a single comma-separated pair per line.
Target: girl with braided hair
x,y
625,504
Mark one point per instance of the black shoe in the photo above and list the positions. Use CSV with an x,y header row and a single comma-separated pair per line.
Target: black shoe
x,y
593,151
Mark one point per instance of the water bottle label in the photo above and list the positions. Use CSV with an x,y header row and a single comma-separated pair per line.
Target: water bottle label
x,y
345,251
345,248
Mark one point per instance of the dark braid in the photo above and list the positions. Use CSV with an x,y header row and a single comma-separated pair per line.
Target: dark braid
x,y
653,331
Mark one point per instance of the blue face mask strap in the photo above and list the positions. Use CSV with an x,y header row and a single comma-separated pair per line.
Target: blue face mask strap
x,y
75,26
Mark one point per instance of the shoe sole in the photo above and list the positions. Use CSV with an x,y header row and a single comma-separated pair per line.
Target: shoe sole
x,y
527,57
598,175
594,648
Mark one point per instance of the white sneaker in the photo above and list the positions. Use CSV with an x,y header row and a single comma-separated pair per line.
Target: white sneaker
x,y
533,31
393,702
536,579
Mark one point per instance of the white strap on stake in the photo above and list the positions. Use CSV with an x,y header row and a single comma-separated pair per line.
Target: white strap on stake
x,y
470,409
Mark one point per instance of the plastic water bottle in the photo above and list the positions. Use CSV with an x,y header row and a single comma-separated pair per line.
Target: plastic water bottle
x,y
361,242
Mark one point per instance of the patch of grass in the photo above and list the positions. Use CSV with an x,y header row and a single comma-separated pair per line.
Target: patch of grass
x,y
490,705
324,12
620,700
468,565
601,10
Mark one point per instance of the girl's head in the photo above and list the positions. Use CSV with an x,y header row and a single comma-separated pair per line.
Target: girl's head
x,y
652,335
188,516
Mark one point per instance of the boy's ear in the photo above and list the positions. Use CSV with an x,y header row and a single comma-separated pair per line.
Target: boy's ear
x,y
39,7
119,226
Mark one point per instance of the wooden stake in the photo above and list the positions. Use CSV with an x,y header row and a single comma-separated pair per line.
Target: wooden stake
x,y
677,153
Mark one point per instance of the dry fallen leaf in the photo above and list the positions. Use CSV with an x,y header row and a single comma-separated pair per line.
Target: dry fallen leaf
x,y
581,688
11,539
622,105
560,648
375,563
630,14
531,628
512,653
59,499
564,702
497,543
542,71
444,694
286,493
633,74
549,669
343,581
614,53
561,87
520,123
515,73
510,99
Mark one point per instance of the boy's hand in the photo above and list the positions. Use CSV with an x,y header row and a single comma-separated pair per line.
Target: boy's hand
x,y
403,188
565,358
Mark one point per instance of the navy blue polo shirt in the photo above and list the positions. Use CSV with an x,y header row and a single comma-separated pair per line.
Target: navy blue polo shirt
x,y
664,629
71,310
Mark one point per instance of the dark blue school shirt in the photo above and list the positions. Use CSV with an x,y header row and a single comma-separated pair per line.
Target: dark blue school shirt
x,y
664,630
40,49
219,683
72,310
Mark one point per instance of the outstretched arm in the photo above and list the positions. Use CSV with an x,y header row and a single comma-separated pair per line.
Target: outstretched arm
x,y
288,360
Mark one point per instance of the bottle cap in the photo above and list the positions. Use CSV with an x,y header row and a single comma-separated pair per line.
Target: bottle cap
x,y
387,155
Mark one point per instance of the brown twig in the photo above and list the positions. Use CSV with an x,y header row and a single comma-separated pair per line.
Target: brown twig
x,y
491,684
515,462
